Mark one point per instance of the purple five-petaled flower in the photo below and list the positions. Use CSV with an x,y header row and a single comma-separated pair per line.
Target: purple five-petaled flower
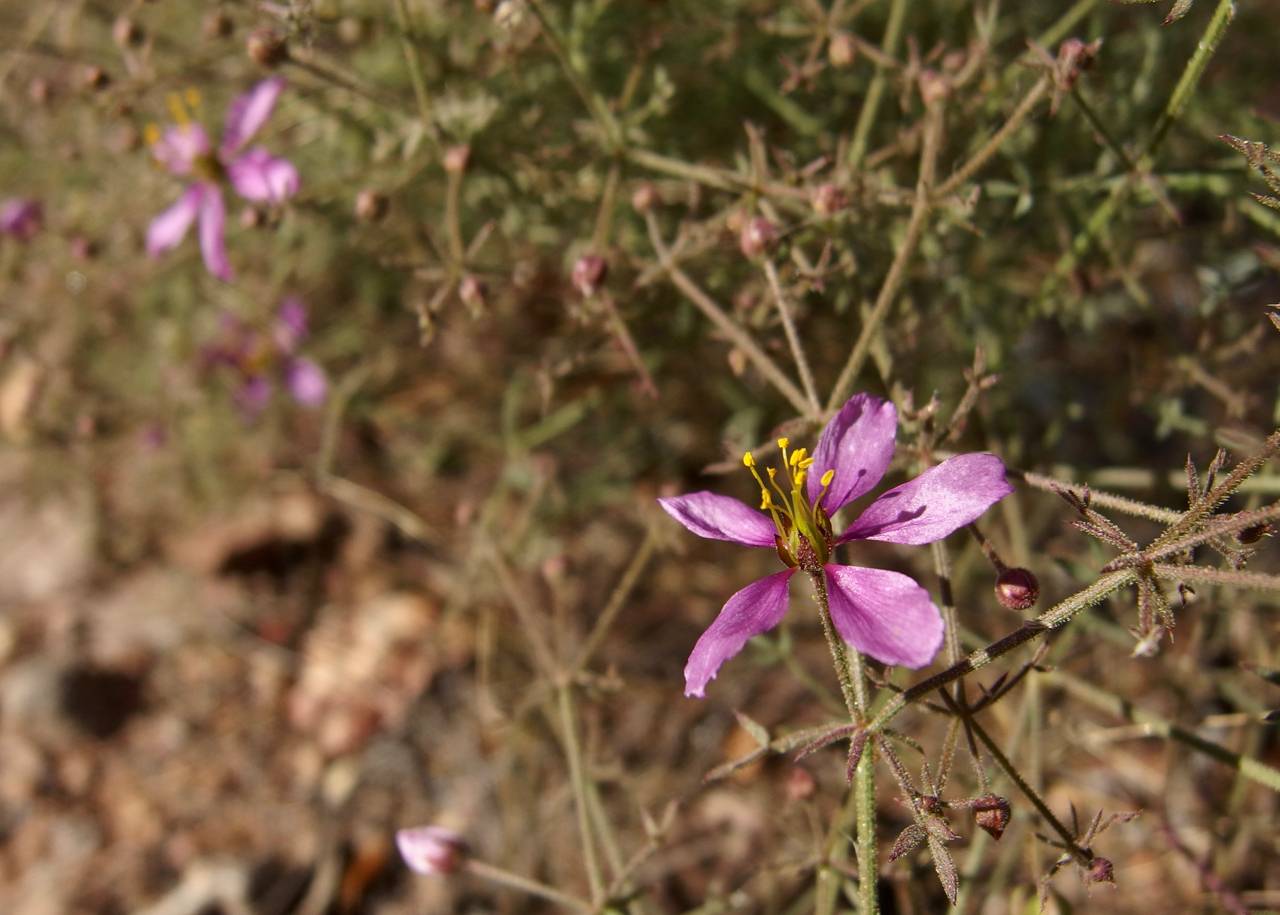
x,y
186,150
256,357
882,614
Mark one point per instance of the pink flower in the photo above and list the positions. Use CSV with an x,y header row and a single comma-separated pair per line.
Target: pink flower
x,y
256,356
431,849
186,150
882,614
21,217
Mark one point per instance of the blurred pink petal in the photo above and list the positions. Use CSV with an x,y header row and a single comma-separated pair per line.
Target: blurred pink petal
x,y
718,517
261,177
21,217
755,609
306,381
291,324
884,614
253,395
171,226
431,850
248,113
935,503
858,445
213,220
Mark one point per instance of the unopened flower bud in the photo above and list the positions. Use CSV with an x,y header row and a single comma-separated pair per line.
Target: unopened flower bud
x,y
1255,533
1074,57
645,197
589,274
456,158
252,218
126,32
828,200
842,50
431,849
95,78
1100,870
800,784
371,206
472,292
82,248
267,48
216,24
758,237
1017,589
934,87
991,813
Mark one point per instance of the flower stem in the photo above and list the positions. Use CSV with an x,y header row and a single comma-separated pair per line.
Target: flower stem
x,y
853,686
578,778
525,885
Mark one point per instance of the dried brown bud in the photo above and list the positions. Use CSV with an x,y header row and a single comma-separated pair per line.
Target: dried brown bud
x,y
589,274
934,87
456,158
842,50
1255,533
1017,589
758,237
267,48
371,206
645,197
95,78
1100,870
828,199
991,813
126,32
216,24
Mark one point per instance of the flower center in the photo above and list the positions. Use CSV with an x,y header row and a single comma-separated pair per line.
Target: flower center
x,y
804,528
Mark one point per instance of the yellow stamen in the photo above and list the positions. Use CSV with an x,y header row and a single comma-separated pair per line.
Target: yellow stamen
x,y
748,460
827,478
766,502
151,133
806,463
177,110
773,472
800,475
784,442
192,97
797,456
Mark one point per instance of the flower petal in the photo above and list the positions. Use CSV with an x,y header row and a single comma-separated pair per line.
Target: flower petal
x,y
858,445
21,217
261,177
291,324
179,147
884,614
169,228
718,517
213,221
935,503
306,381
755,609
248,113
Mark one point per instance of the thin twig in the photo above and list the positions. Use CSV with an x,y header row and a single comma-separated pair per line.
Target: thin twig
x,y
789,326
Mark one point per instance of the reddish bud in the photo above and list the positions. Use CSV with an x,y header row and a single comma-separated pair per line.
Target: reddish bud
x,y
1074,57
645,197
431,849
991,813
1017,589
456,158
842,50
95,78
589,274
828,199
126,32
216,24
758,237
934,87
472,292
267,48
1100,870
371,206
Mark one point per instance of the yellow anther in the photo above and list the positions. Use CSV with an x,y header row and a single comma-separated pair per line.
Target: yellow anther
x,y
800,475
748,460
828,477
773,472
784,442
766,502
151,133
797,456
177,109
806,463
192,97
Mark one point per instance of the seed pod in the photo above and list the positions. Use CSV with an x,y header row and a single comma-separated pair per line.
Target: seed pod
x,y
1017,589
